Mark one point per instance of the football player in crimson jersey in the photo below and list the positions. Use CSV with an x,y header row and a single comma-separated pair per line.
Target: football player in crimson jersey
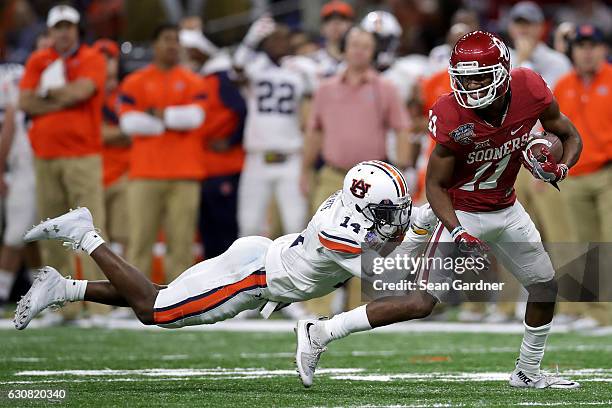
x,y
480,131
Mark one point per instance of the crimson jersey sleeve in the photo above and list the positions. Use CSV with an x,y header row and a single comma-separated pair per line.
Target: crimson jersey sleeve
x,y
442,116
534,84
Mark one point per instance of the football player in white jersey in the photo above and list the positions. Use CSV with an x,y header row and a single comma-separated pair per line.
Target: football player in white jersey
x,y
277,93
17,181
373,209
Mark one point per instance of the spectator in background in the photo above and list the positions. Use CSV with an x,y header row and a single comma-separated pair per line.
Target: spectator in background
x,y
162,110
585,96
526,29
43,40
586,12
348,133
23,27
115,153
463,22
336,18
63,90
223,153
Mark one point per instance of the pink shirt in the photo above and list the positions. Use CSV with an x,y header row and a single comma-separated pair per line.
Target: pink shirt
x,y
354,119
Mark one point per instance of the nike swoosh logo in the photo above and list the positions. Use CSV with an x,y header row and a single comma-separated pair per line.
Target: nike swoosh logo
x,y
308,331
512,132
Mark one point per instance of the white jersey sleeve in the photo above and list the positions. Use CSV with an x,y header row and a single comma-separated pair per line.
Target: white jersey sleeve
x,y
10,75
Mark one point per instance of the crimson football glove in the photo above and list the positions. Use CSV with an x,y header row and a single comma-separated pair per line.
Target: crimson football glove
x,y
470,246
548,170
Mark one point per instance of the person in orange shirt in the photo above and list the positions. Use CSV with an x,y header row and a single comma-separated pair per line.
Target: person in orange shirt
x,y
62,89
223,153
431,88
585,96
162,110
115,153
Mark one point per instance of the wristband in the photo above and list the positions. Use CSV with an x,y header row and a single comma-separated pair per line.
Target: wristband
x,y
457,231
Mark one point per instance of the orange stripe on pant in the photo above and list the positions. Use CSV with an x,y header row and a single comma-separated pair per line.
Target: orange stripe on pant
x,y
200,305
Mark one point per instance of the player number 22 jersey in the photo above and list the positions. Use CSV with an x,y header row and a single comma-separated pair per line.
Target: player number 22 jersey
x,y
274,98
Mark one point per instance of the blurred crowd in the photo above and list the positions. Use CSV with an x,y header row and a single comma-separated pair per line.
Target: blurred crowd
x,y
181,134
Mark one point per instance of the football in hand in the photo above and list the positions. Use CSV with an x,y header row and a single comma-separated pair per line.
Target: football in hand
x,y
548,140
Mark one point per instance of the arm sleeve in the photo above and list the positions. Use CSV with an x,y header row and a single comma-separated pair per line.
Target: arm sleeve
x,y
141,124
183,117
314,120
91,70
439,124
540,91
243,55
32,72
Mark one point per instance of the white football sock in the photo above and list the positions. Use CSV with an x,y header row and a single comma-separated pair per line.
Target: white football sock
x,y
532,348
6,283
75,290
343,324
91,240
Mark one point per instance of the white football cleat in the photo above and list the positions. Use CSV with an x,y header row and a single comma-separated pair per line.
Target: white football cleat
x,y
543,380
68,228
309,349
48,289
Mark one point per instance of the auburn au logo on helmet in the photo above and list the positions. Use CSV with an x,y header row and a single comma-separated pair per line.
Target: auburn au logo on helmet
x,y
359,188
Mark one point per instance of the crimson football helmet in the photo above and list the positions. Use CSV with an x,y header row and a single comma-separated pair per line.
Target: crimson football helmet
x,y
479,53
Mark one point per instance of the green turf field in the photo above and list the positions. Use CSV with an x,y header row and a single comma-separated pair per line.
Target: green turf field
x,y
132,368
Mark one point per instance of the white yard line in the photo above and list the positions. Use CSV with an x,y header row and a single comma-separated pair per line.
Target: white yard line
x,y
288,325
353,374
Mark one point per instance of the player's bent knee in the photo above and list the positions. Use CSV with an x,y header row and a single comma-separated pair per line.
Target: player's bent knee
x,y
418,306
422,309
543,291
145,316
144,310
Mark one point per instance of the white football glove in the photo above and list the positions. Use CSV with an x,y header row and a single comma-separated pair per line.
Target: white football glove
x,y
424,221
54,76
260,29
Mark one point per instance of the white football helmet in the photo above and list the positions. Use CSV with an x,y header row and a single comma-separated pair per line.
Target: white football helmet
x,y
387,31
377,194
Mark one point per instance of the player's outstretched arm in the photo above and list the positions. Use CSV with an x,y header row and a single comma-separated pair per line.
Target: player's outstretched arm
x,y
438,178
557,123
